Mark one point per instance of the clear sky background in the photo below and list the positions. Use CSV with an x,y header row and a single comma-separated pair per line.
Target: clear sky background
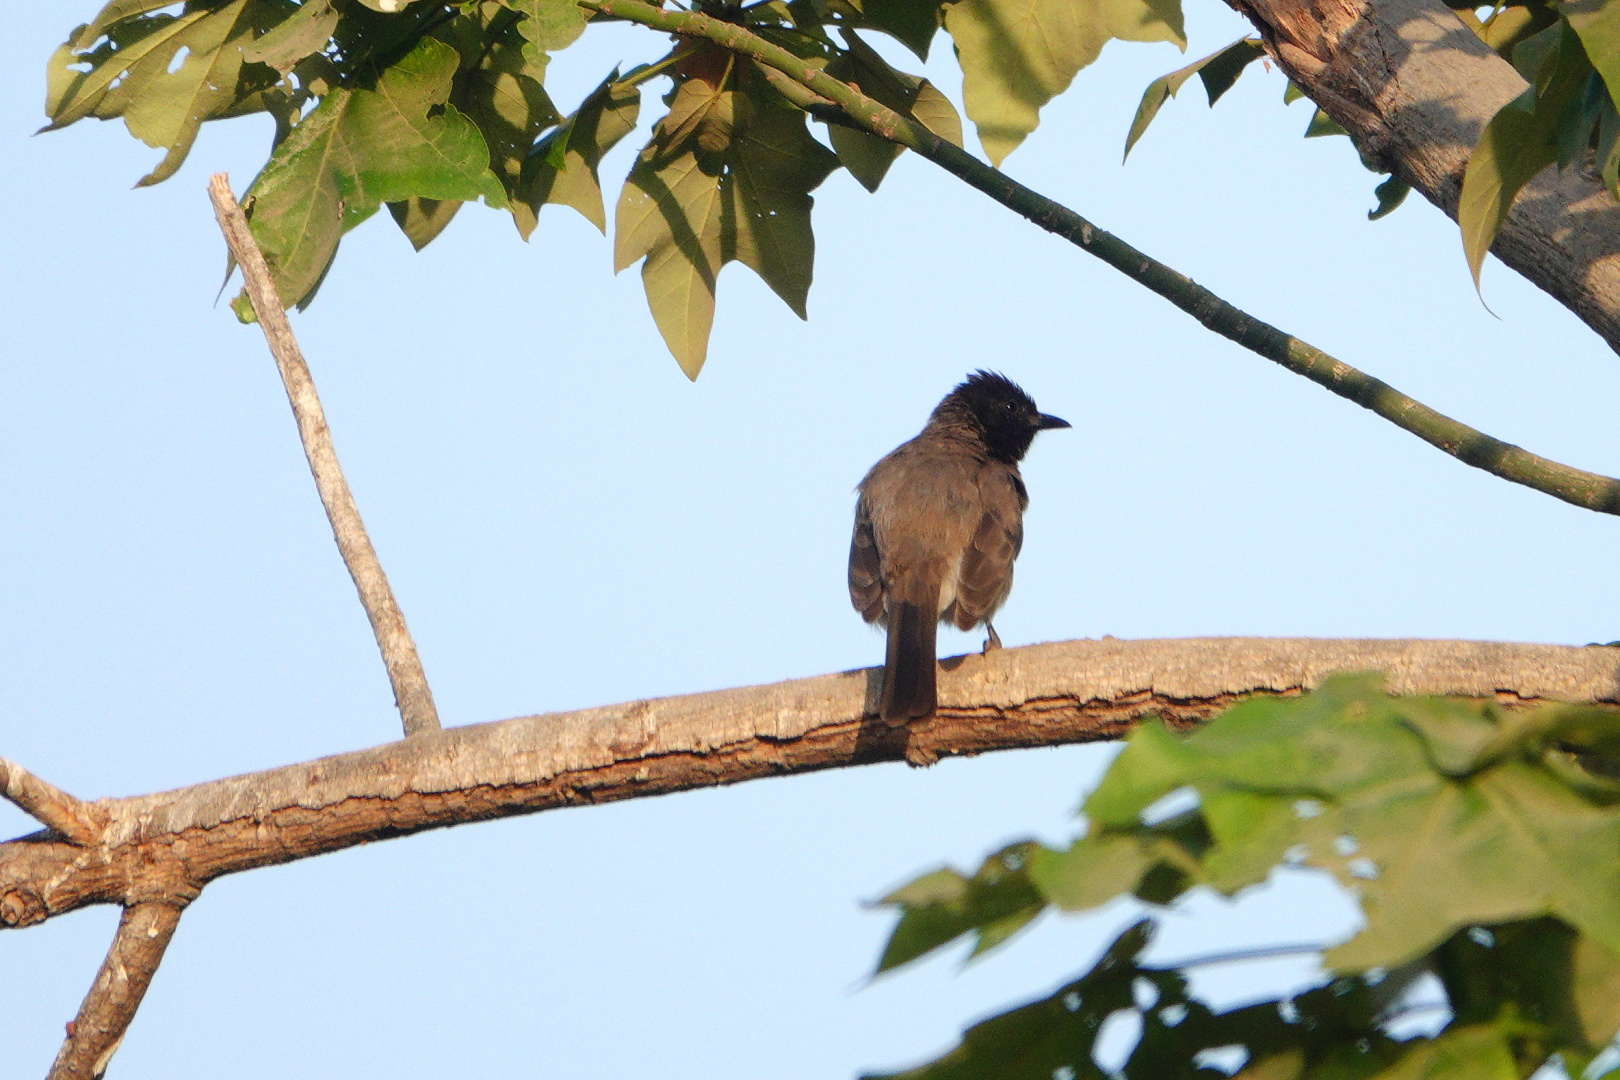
x,y
568,522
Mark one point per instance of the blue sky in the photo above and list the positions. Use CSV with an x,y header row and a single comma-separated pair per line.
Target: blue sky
x,y
568,521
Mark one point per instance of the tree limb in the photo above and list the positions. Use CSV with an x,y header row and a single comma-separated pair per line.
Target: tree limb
x,y
405,674
1413,86
137,950
1592,491
169,845
49,805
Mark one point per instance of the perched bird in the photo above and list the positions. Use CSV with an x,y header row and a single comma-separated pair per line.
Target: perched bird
x,y
938,525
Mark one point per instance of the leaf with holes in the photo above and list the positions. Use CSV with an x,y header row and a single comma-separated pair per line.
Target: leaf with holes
x,y
165,74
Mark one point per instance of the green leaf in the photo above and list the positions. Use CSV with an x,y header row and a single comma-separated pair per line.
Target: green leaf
x,y
1597,23
937,908
1050,1037
911,22
134,53
130,55
1016,55
1091,872
866,156
1595,988
1219,70
357,150
500,88
422,220
726,177
1520,140
1436,814
115,12
562,168
550,24
1478,1052
1390,195
304,33
1322,124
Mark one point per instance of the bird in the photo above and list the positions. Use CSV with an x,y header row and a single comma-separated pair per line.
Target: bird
x,y
938,523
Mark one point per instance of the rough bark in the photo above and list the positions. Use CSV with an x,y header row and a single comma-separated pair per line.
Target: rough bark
x,y
96,1033
1414,87
167,846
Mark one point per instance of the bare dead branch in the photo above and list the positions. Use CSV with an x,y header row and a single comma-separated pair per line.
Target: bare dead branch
x,y
136,951
1041,695
411,691
49,805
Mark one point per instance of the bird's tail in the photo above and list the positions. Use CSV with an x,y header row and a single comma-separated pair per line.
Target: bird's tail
x,y
908,667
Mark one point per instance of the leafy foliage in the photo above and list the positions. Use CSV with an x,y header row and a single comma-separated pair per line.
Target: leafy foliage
x,y
1482,844
726,176
1567,112
427,104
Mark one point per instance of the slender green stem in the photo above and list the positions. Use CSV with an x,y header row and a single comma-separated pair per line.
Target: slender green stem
x,y
1590,490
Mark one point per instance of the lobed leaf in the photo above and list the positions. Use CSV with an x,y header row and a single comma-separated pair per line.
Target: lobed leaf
x,y
500,87
562,167
1016,55
726,177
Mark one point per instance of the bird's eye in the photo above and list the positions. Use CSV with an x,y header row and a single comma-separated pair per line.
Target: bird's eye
x,y
1007,405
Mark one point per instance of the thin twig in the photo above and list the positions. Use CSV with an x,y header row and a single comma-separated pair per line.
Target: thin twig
x,y
1468,445
411,691
49,805
137,950
1237,956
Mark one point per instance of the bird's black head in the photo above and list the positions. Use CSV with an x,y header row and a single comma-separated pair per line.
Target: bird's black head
x,y
1004,417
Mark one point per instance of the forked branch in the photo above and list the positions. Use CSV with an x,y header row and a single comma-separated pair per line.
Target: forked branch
x,y
411,692
1592,491
158,846
137,950
49,805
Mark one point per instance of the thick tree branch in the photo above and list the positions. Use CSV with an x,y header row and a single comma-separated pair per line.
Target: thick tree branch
x,y
1472,447
405,674
1413,86
50,806
169,845
136,951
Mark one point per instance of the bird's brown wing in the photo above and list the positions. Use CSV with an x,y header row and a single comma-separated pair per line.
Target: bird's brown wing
x,y
986,576
865,568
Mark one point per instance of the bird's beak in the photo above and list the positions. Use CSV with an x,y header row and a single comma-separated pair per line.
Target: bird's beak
x,y
1046,422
